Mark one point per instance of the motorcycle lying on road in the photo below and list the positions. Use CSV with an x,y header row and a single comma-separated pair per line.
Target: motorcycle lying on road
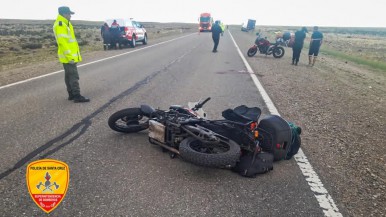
x,y
187,133
266,47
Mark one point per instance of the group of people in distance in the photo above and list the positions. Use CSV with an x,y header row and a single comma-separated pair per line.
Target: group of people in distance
x,y
315,43
297,46
110,35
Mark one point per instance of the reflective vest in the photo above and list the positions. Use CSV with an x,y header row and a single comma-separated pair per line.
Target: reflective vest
x,y
68,48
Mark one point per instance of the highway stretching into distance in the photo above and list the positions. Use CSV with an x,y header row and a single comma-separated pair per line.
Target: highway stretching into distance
x,y
113,174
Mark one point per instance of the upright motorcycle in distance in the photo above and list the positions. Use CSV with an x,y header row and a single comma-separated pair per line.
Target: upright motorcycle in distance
x,y
182,131
265,47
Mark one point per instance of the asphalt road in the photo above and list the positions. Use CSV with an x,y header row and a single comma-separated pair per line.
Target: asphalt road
x,y
114,174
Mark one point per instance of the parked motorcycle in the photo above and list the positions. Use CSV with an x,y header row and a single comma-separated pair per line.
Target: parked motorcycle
x,y
187,133
266,47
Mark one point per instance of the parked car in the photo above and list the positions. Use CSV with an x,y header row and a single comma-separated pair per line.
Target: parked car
x,y
129,33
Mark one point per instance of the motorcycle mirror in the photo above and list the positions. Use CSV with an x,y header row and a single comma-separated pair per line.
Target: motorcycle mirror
x,y
196,104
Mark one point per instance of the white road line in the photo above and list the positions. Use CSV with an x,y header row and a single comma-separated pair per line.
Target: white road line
x,y
325,200
52,73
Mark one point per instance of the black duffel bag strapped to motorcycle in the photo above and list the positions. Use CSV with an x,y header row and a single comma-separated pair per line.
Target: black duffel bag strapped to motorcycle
x,y
242,114
252,164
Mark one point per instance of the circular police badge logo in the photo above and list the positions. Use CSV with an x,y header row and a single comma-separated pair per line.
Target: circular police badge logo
x,y
47,182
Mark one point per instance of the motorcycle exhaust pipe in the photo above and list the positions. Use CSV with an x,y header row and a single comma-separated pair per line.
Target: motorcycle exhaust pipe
x,y
166,147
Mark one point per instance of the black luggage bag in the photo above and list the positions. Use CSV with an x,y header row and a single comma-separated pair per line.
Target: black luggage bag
x,y
252,164
276,136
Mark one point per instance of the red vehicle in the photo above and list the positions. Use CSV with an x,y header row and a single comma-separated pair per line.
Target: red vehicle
x,y
266,47
128,33
205,22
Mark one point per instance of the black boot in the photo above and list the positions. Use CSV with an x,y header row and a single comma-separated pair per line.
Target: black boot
x,y
70,96
81,98
293,62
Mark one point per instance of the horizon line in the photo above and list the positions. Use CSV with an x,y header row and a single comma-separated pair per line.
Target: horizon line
x,y
232,24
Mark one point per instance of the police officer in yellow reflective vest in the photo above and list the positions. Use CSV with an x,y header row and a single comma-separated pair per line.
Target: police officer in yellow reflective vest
x,y
222,28
68,52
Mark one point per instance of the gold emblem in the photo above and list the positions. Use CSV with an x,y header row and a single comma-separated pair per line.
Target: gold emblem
x,y
47,182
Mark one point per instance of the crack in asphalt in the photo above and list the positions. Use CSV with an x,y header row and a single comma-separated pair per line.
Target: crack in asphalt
x,y
85,123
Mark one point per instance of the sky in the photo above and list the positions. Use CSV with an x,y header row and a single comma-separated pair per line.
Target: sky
x,y
339,13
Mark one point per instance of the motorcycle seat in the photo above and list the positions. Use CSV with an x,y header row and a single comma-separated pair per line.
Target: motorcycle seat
x,y
242,114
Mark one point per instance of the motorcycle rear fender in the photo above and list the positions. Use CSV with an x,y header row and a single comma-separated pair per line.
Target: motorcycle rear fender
x,y
147,110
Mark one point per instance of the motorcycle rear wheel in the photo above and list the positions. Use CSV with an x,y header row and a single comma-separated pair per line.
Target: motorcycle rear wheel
x,y
278,52
252,51
224,154
130,120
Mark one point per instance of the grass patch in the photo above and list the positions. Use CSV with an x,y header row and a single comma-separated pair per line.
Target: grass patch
x,y
352,58
355,59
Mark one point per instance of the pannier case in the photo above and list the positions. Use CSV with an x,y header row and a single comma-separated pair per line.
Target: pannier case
x,y
276,136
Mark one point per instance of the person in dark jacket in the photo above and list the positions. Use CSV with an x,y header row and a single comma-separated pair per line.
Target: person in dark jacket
x,y
297,46
115,34
105,33
216,32
316,42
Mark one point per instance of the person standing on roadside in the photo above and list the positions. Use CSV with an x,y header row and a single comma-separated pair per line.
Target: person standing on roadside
x,y
114,25
297,46
105,33
115,34
316,42
222,28
68,52
216,31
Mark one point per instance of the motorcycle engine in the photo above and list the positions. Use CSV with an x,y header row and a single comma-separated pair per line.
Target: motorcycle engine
x,y
157,131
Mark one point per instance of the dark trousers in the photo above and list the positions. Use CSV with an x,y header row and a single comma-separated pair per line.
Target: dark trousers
x,y
216,40
106,38
71,78
296,54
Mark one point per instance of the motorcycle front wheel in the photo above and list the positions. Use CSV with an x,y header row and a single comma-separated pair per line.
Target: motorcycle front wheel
x,y
224,154
130,120
252,51
278,52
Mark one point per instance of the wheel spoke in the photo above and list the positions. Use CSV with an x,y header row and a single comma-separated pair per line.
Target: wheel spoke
x,y
209,148
133,121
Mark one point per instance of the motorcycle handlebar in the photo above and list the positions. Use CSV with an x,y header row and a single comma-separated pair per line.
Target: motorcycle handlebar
x,y
199,105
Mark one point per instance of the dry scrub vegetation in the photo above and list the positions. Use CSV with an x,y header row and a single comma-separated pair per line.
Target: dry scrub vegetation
x,y
23,42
